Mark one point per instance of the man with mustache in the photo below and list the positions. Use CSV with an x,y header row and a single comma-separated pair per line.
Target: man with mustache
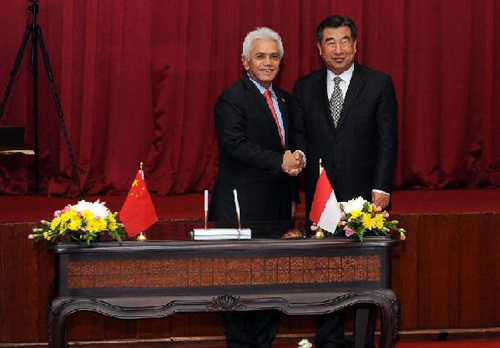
x,y
251,119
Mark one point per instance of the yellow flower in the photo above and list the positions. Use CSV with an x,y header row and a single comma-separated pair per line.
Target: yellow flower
x,y
87,215
46,235
55,223
73,214
92,225
112,225
379,221
101,223
75,224
355,214
66,216
367,221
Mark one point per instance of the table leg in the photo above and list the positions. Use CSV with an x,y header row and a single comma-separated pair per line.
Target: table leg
x,y
390,321
57,325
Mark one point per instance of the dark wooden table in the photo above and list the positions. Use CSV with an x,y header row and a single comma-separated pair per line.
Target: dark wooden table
x,y
155,279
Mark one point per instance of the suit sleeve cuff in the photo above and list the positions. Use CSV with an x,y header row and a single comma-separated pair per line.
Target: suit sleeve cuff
x,y
303,156
380,191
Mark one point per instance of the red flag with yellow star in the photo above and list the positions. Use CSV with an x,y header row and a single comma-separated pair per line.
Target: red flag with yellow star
x,y
138,211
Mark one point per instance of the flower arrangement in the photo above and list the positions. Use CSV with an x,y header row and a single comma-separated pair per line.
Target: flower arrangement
x,y
83,222
359,217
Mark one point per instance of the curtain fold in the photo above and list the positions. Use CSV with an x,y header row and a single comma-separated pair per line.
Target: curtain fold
x,y
138,82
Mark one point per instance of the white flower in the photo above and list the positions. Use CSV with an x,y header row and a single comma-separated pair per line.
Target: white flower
x,y
353,204
305,344
97,208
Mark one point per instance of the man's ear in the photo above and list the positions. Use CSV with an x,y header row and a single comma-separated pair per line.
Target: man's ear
x,y
319,47
355,46
245,63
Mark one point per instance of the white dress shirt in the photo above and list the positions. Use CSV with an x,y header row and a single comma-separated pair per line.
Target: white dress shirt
x,y
344,83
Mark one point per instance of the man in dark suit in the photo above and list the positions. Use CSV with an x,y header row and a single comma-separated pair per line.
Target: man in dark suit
x,y
346,115
251,120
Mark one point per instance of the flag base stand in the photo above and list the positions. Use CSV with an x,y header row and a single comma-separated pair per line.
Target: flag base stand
x,y
319,234
141,237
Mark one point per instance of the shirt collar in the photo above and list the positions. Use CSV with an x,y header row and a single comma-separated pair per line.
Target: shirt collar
x,y
345,76
261,88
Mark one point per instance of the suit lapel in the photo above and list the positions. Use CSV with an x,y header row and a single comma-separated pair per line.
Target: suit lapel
x,y
255,95
356,84
258,98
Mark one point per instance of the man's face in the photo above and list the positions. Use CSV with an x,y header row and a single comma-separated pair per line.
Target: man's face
x,y
264,62
337,49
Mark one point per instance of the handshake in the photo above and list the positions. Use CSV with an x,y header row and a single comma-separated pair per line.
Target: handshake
x,y
293,163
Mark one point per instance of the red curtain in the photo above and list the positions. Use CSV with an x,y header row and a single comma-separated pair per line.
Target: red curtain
x,y
138,81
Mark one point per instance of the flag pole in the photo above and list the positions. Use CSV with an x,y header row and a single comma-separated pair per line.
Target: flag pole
x,y
237,206
205,207
142,236
319,232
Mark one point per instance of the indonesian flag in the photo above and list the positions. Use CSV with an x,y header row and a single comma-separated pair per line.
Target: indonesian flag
x,y
325,210
138,211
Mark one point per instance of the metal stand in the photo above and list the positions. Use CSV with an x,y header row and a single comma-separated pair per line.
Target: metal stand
x,y
34,30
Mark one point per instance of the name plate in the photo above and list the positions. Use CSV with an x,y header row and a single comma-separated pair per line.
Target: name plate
x,y
220,234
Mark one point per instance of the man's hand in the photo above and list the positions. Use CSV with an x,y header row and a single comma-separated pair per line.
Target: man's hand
x,y
291,164
380,199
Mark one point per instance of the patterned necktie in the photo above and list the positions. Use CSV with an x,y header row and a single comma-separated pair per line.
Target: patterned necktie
x,y
336,101
269,99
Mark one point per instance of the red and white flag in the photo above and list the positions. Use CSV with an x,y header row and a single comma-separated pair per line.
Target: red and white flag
x,y
138,211
325,210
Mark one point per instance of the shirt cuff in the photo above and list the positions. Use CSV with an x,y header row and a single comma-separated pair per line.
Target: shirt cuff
x,y
380,191
303,156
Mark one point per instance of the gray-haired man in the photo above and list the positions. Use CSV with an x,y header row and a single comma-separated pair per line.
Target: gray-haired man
x,y
251,119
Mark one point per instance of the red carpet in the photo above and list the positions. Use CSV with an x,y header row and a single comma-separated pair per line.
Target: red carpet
x,y
435,344
190,206
486,343
451,344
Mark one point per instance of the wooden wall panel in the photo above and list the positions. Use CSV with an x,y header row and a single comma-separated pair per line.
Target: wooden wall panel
x,y
470,264
405,272
45,286
3,283
19,310
86,326
29,264
114,328
445,273
150,328
489,290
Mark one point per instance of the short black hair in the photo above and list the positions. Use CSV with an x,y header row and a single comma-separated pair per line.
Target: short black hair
x,y
336,21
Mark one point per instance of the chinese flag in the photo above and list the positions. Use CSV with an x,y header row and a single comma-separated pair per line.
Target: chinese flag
x,y
138,211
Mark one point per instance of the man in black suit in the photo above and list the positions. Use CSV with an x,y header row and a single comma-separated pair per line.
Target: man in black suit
x,y
251,119
346,115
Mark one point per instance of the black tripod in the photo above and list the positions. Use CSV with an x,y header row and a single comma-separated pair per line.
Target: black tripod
x,y
34,30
